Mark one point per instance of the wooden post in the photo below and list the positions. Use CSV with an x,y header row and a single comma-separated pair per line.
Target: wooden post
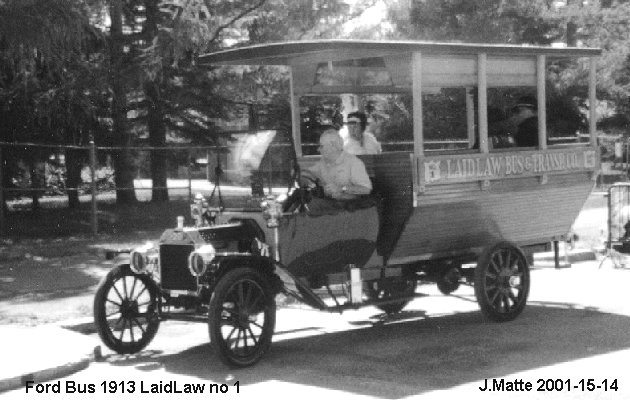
x,y
94,187
470,117
3,223
295,113
269,167
556,254
592,100
189,176
208,169
482,101
417,158
541,70
416,79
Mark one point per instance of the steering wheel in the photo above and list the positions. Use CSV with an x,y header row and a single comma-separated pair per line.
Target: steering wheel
x,y
308,186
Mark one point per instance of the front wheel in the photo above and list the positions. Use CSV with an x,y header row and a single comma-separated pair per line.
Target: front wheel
x,y
502,282
126,310
242,317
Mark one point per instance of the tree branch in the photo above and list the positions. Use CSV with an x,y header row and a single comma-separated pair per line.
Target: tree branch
x,y
236,18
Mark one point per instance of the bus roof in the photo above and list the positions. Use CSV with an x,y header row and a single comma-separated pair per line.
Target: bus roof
x,y
288,53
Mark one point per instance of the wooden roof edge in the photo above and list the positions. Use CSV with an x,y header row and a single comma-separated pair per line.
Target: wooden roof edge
x,y
283,53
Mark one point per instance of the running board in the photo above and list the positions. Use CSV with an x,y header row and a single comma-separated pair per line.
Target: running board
x,y
353,306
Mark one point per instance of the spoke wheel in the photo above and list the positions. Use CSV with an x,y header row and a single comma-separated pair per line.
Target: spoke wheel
x,y
242,317
389,289
125,310
502,282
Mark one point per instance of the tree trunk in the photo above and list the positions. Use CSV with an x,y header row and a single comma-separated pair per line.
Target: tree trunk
x,y
73,176
123,158
155,112
157,138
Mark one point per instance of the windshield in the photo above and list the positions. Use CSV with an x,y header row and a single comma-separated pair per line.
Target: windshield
x,y
251,165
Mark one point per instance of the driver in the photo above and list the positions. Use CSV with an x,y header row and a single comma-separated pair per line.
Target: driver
x,y
342,175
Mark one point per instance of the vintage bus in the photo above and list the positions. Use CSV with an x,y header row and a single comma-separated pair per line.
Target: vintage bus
x,y
485,159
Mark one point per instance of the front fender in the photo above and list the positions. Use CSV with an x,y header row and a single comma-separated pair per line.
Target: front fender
x,y
282,280
122,259
226,262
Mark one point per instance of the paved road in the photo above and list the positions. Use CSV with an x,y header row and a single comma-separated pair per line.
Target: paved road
x,y
575,327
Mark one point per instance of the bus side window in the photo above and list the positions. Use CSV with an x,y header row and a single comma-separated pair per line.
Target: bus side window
x,y
445,119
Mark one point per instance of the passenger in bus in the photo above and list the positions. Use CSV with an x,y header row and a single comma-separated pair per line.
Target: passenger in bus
x,y
341,175
360,141
526,118
498,129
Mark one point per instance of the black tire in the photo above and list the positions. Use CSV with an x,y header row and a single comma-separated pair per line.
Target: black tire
x,y
126,310
389,289
448,282
502,282
242,317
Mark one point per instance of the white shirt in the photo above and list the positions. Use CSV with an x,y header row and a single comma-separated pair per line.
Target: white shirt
x,y
370,145
346,170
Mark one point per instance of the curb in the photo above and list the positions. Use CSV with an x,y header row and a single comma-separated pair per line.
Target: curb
x,y
48,374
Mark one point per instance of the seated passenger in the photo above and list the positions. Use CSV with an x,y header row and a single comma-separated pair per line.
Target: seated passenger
x,y
526,120
498,129
359,141
342,175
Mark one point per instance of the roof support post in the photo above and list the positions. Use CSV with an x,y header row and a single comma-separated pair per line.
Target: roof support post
x,y
416,76
418,139
470,116
541,95
295,115
482,101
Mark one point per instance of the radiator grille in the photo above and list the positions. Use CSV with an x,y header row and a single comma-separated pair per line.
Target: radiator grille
x,y
174,267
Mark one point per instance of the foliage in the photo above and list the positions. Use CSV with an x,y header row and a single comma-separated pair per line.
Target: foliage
x,y
484,21
281,20
47,71
50,86
56,61
608,28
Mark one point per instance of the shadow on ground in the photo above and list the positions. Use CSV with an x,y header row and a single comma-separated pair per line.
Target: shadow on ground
x,y
49,280
399,359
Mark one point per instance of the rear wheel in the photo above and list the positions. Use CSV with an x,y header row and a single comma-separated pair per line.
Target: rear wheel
x,y
242,317
125,310
390,289
502,282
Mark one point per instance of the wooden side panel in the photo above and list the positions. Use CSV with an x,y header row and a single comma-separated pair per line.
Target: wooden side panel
x,y
449,71
463,217
453,218
503,71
